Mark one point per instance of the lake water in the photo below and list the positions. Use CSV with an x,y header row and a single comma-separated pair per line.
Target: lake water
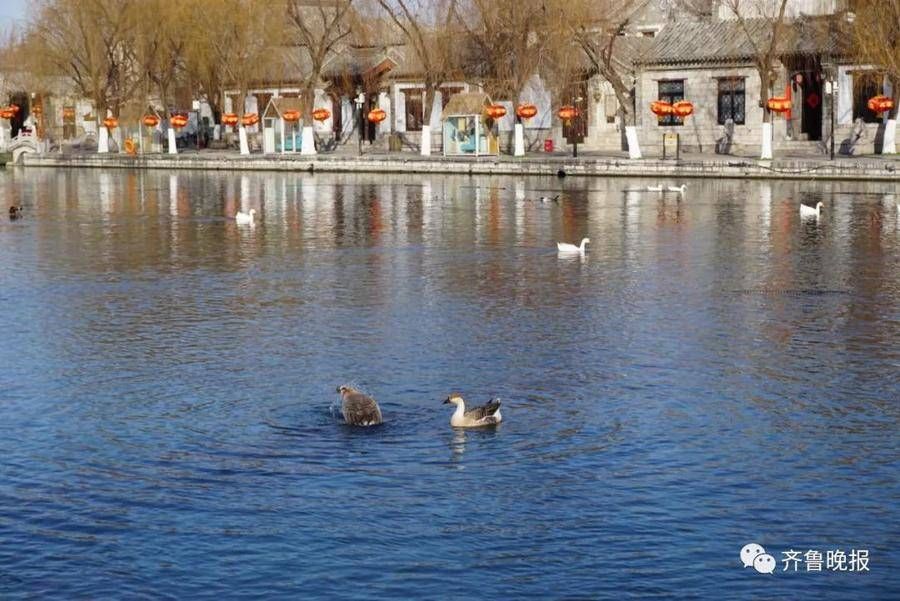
x,y
714,372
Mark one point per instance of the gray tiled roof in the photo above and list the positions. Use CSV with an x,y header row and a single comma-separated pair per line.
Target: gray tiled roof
x,y
715,41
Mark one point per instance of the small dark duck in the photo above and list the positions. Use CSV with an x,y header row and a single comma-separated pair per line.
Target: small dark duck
x,y
15,211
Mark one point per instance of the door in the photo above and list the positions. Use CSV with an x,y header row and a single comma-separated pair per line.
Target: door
x,y
811,117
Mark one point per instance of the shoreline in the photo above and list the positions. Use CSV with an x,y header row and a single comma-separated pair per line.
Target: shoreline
x,y
725,168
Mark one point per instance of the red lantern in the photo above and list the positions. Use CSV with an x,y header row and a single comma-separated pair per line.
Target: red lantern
x,y
321,114
880,104
567,113
779,104
291,116
111,123
6,113
229,119
376,115
250,119
496,111
526,111
150,120
683,109
178,120
661,108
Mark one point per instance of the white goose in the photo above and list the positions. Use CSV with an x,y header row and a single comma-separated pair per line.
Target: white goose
x,y
808,211
486,415
658,188
680,189
245,218
571,248
549,199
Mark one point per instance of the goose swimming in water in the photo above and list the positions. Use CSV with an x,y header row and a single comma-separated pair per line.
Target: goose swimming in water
x,y
658,188
548,199
245,218
486,415
808,211
680,190
359,409
571,248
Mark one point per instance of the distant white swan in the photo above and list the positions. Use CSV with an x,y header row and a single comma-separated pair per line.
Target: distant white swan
x,y
808,211
486,415
245,218
679,190
658,188
571,248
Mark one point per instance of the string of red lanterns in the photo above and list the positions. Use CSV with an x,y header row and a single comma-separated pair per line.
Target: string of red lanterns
x,y
321,114
250,119
376,116
496,111
567,113
229,119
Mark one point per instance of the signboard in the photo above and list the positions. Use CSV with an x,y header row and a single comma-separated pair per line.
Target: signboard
x,y
671,146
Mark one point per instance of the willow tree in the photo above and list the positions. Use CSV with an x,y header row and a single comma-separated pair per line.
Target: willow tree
x,y
877,42
763,26
430,28
245,44
510,43
318,30
595,26
90,43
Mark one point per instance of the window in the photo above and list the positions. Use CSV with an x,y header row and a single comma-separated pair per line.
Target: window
x,y
414,110
671,91
732,101
865,86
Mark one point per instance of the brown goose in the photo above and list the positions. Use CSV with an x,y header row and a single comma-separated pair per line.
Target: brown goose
x,y
359,409
486,415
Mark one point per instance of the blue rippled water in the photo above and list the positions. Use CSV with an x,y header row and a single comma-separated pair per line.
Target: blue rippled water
x,y
715,372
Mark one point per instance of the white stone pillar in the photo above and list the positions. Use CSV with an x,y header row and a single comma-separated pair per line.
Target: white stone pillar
x,y
173,149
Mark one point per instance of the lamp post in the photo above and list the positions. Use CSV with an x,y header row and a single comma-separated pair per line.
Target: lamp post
x,y
831,89
360,99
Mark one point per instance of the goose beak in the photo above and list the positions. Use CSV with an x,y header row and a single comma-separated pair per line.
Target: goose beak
x,y
447,401
338,389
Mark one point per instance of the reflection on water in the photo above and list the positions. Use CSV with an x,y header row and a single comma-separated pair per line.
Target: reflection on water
x,y
715,371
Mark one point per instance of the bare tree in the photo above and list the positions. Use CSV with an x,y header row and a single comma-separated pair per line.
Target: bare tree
x,y
319,29
244,45
877,41
510,42
90,43
430,29
163,34
763,25
595,25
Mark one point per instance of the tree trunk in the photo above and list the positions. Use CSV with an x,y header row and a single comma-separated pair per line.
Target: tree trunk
x,y
426,123
889,145
766,133
307,136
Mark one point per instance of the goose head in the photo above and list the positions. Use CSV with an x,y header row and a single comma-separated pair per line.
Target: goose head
x,y
453,399
585,241
252,212
344,389
819,206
